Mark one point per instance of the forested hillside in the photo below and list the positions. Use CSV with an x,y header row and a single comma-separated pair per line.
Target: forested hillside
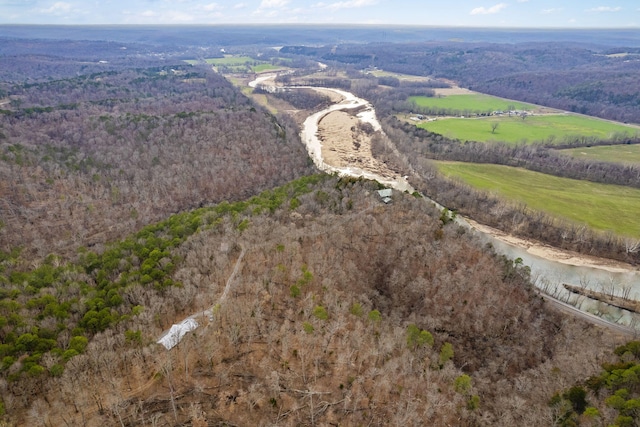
x,y
338,309
137,190
88,159
589,79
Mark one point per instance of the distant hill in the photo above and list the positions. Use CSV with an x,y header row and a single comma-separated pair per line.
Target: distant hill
x,y
278,35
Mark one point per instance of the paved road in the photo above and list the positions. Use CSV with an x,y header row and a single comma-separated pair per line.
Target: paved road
x,y
588,317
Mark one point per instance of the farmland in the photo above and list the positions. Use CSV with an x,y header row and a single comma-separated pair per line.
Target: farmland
x,y
547,128
399,76
603,207
627,154
474,103
239,64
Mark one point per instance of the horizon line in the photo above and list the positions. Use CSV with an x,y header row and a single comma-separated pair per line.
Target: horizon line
x,y
309,24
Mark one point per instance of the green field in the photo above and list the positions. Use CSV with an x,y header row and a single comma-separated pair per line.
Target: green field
x,y
265,67
399,76
231,61
471,103
239,63
627,154
602,207
546,128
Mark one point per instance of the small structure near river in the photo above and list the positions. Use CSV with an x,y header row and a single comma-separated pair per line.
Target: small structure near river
x,y
385,195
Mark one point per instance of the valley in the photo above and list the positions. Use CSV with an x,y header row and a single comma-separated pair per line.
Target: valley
x,y
187,183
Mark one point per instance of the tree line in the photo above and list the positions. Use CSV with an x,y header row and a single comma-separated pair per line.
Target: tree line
x,y
512,218
540,157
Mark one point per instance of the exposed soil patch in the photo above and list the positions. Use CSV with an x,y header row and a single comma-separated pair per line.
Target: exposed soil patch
x,y
346,142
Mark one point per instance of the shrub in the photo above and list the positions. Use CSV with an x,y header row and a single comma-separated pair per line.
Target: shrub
x,y
417,337
446,353
473,403
78,344
134,337
462,384
320,312
375,316
356,309
56,370
294,291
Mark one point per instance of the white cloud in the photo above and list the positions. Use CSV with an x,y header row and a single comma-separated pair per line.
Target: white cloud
x,y
604,9
488,11
271,9
210,7
350,4
17,2
57,8
273,4
159,17
240,6
552,10
175,16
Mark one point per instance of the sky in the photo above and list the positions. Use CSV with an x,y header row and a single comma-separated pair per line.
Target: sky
x,y
470,13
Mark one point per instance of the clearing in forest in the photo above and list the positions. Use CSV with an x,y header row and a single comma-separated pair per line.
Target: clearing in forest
x,y
240,64
544,128
476,103
601,206
625,153
399,76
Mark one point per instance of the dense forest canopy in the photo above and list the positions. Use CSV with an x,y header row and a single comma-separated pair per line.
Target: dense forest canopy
x,y
128,147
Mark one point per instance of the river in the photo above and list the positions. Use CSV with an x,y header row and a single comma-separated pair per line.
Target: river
x,y
548,274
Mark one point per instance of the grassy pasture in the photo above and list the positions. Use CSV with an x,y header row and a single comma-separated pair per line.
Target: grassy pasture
x,y
399,76
473,103
627,154
265,67
239,63
602,207
533,128
230,61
